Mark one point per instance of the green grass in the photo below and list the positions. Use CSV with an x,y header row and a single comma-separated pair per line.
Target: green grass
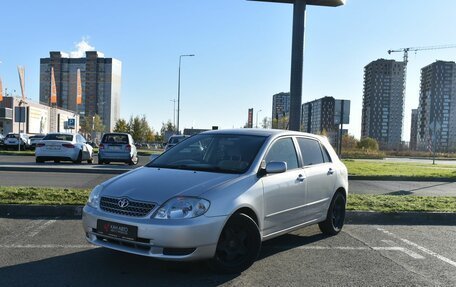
x,y
43,195
15,152
397,169
381,203
394,203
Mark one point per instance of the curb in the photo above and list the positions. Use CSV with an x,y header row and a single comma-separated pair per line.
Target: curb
x,y
352,217
64,170
401,178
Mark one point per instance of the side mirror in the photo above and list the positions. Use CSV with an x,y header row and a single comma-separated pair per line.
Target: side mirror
x,y
276,167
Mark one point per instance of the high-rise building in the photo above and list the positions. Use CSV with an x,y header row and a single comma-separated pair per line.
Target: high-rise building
x,y
323,116
414,130
100,81
280,110
383,102
437,107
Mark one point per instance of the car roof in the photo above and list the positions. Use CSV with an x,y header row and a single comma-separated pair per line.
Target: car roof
x,y
260,132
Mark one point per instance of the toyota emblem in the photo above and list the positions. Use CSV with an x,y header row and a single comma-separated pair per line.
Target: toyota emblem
x,y
122,203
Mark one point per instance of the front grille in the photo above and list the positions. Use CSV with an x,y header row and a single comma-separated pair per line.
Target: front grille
x,y
134,208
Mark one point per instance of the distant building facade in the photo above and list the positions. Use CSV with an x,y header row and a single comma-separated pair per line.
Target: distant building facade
x,y
323,116
437,107
100,81
38,117
383,102
280,110
414,130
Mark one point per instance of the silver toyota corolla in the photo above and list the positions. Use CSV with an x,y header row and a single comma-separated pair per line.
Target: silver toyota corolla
x,y
218,195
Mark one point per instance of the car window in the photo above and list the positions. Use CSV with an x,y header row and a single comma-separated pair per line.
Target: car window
x,y
115,139
59,137
212,152
283,150
311,151
326,156
12,136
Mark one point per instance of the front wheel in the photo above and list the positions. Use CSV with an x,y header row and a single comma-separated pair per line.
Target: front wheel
x,y
238,246
335,217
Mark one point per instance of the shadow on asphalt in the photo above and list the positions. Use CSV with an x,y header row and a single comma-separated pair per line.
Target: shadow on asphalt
x,y
412,191
104,267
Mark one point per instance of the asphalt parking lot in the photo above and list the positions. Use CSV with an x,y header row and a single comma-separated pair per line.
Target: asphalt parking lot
x,y
53,252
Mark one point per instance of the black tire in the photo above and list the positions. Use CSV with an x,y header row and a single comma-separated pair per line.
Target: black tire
x,y
90,161
238,246
56,161
39,160
79,159
335,217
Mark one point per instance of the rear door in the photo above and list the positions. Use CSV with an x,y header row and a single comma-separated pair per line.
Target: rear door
x,y
320,176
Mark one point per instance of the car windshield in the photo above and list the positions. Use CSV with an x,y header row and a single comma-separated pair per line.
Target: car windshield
x,y
115,139
58,137
176,140
213,153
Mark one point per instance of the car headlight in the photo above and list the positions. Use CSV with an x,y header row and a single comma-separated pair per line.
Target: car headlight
x,y
182,207
94,197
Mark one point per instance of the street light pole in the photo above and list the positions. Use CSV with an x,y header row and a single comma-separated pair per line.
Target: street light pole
x,y
174,112
257,118
178,90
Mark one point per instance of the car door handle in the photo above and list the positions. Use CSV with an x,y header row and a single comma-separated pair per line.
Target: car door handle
x,y
330,171
301,178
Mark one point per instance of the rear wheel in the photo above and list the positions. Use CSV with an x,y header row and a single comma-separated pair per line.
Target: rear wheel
x,y
90,161
238,246
56,160
79,159
39,160
335,217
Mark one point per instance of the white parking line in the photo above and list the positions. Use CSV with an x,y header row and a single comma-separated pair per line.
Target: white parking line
x,y
425,250
352,248
405,250
39,229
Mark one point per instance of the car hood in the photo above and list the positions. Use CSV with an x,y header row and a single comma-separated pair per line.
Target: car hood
x,y
160,184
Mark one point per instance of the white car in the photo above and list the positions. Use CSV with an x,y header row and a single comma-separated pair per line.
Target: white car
x,y
63,147
12,141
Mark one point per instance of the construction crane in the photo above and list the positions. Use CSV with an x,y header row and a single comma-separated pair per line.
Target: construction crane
x,y
415,49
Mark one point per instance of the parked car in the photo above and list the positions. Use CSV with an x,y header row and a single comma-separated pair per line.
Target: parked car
x,y
117,147
35,139
12,141
219,203
63,147
2,141
174,140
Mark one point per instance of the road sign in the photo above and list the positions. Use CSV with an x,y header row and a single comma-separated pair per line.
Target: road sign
x,y
19,114
71,123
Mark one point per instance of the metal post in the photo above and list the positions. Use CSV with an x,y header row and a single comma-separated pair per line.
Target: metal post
x,y
178,91
257,118
297,58
341,127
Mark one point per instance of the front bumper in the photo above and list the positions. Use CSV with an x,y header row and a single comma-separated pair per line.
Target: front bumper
x,y
175,240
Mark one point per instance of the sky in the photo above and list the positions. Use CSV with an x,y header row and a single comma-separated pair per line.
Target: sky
x,y
242,51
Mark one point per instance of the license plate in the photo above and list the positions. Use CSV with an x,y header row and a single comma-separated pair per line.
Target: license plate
x,y
117,229
53,147
115,148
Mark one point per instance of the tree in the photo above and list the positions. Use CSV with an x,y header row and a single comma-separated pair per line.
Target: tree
x,y
121,126
167,127
135,128
349,142
98,125
266,123
368,143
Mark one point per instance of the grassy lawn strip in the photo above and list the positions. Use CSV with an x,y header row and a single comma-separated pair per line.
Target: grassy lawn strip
x,y
381,203
16,152
43,195
368,168
395,203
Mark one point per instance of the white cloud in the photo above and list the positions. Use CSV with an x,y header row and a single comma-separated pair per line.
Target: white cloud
x,y
81,47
